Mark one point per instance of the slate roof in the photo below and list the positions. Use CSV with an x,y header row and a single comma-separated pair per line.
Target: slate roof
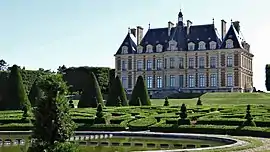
x,y
206,33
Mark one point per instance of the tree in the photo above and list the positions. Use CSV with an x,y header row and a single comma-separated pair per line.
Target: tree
x,y
140,91
3,65
166,102
16,98
61,69
53,123
267,77
91,95
199,102
116,91
34,94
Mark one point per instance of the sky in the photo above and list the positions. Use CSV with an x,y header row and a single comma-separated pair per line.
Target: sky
x,y
47,34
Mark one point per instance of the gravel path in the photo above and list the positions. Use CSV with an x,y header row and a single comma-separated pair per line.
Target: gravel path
x,y
264,147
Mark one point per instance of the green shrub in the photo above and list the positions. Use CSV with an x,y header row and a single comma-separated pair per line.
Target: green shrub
x,y
99,116
142,124
140,91
199,102
166,102
91,95
117,92
249,119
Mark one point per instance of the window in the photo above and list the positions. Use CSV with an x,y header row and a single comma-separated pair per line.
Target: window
x,y
201,80
130,63
201,45
213,45
124,50
181,63
213,62
129,81
118,64
191,81
229,44
229,61
172,45
149,81
165,63
171,63
159,48
124,82
159,82
172,81
159,64
181,81
191,46
191,63
139,65
229,80
149,64
201,62
149,48
140,49
213,80
124,65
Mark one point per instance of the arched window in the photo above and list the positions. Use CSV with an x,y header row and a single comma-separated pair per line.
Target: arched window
x,y
213,45
124,50
229,44
191,46
140,49
159,48
149,48
201,45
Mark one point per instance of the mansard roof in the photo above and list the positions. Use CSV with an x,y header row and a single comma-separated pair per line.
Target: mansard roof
x,y
234,35
130,43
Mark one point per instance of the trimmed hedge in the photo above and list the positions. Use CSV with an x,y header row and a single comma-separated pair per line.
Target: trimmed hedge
x,y
141,124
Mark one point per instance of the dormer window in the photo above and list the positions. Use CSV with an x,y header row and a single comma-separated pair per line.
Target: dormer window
x,y
172,45
213,45
149,48
159,48
140,49
191,46
229,44
202,45
124,50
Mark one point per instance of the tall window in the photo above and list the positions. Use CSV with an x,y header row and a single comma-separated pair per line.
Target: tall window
x,y
172,81
139,65
181,63
165,63
125,82
171,62
181,81
159,82
149,81
129,81
202,80
191,63
149,64
229,80
191,81
229,61
159,64
213,80
201,62
213,62
124,65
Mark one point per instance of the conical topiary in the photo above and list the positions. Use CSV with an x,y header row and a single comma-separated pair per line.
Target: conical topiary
x,y
199,102
166,102
34,94
140,91
249,119
91,95
183,116
116,91
99,115
16,98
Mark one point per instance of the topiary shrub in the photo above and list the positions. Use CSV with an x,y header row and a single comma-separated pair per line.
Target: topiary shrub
x,y
183,116
91,95
35,94
116,91
140,91
249,119
119,102
99,116
71,105
166,102
199,102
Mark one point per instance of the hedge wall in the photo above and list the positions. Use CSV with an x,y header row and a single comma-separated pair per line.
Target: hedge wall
x,y
267,77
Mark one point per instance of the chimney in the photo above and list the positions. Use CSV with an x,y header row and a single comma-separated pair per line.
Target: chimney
x,y
133,31
139,34
223,29
236,25
189,23
170,25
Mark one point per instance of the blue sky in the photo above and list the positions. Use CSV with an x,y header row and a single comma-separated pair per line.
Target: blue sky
x,y
50,33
